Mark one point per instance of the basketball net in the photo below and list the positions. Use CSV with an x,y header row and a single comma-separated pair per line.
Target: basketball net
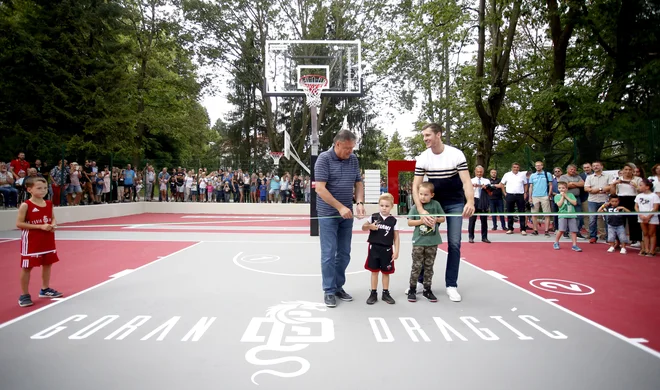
x,y
312,86
276,156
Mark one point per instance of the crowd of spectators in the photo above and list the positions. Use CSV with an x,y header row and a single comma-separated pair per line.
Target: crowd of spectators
x,y
72,184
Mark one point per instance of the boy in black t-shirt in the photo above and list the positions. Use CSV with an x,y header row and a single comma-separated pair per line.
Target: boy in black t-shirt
x,y
383,247
616,226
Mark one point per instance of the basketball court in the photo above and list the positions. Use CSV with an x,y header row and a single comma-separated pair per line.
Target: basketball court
x,y
194,299
179,300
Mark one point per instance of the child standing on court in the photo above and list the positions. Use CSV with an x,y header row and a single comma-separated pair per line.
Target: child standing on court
x,y
383,247
616,225
650,202
566,202
426,239
37,224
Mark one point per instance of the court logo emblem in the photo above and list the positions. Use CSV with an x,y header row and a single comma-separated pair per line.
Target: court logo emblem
x,y
292,329
560,286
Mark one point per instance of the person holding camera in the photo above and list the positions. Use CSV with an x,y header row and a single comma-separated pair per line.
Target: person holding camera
x,y
626,187
481,187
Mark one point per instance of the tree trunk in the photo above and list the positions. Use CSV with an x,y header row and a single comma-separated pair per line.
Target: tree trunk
x,y
498,77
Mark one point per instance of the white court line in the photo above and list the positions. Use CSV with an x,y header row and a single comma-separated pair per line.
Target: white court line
x,y
8,240
24,316
126,271
597,325
495,274
552,300
639,340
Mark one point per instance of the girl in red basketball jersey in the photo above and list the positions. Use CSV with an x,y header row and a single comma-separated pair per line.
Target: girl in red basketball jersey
x,y
37,224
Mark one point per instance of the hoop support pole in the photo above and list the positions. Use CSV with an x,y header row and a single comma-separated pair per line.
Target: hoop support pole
x,y
313,220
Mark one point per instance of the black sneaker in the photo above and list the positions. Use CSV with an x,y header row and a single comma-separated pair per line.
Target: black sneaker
x,y
535,233
387,298
343,295
330,300
49,293
428,294
25,300
412,295
373,297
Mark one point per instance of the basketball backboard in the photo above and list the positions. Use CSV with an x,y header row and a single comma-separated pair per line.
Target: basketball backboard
x,y
339,61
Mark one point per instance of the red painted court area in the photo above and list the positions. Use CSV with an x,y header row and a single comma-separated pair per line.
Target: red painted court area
x,y
627,287
82,264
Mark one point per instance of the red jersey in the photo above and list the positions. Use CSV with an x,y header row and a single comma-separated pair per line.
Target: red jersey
x,y
36,242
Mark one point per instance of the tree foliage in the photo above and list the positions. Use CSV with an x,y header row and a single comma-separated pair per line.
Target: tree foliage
x,y
562,81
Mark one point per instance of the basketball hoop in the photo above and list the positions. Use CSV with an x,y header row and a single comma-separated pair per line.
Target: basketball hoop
x,y
312,85
276,156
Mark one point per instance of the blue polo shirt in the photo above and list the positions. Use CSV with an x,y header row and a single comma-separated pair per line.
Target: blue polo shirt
x,y
540,183
340,177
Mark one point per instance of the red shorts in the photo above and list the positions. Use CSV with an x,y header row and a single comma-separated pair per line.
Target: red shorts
x,y
39,260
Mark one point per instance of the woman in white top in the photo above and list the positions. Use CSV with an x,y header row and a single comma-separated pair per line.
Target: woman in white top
x,y
187,190
655,178
647,201
202,188
284,188
627,187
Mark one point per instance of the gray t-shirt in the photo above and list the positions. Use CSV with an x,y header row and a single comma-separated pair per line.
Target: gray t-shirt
x,y
572,179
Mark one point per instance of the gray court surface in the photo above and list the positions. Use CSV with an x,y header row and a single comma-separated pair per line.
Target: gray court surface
x,y
245,312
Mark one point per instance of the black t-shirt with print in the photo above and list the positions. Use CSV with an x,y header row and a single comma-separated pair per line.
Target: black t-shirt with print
x,y
180,178
613,219
385,233
296,185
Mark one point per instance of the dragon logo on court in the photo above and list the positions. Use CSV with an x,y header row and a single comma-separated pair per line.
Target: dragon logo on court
x,y
292,329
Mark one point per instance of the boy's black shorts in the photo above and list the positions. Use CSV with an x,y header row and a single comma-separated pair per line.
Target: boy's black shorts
x,y
379,258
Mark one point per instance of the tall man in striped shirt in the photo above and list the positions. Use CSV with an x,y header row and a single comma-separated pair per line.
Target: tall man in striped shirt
x,y
337,174
446,167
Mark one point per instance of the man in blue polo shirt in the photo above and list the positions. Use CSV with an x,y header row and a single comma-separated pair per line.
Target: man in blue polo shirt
x,y
540,192
337,174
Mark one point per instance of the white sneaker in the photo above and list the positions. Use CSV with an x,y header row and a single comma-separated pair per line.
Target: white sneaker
x,y
610,250
453,294
623,251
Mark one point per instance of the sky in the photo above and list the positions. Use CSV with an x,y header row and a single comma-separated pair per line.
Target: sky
x,y
217,107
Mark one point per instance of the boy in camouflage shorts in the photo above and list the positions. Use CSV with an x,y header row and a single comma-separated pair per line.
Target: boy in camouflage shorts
x,y
425,242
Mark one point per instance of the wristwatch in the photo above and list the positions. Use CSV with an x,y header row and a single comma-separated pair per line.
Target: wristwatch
x,y
600,189
359,203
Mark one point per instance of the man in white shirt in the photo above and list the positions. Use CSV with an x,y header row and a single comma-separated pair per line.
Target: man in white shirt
x,y
480,184
514,184
446,167
598,187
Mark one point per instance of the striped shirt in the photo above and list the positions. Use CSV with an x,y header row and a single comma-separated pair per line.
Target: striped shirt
x,y
340,177
442,170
